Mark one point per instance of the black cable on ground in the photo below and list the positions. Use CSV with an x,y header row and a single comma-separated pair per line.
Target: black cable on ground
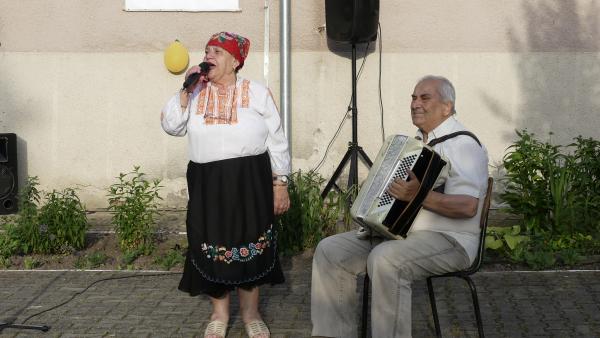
x,y
96,282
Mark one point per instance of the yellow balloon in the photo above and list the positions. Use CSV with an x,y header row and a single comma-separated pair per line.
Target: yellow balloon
x,y
176,57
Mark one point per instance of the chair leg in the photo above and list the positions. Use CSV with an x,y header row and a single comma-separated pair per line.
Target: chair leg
x,y
365,308
436,321
475,304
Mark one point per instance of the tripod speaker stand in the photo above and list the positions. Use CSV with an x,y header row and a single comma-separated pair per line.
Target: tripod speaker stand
x,y
354,150
351,21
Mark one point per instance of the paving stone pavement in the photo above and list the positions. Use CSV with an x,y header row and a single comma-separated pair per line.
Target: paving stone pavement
x,y
148,304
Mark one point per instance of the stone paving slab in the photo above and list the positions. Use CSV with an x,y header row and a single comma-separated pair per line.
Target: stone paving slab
x,y
513,304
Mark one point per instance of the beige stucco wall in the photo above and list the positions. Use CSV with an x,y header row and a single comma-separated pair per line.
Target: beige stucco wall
x,y
82,82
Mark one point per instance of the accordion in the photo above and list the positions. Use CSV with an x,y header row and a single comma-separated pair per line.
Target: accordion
x,y
374,207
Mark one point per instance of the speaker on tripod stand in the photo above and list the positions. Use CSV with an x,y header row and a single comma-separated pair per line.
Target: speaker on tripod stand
x,y
351,21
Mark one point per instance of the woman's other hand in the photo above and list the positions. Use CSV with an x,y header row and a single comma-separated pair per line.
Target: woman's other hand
x,y
281,199
184,99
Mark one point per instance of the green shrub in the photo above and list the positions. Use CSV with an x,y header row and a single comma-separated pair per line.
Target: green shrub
x,y
5,263
128,258
31,263
584,195
9,242
310,218
27,230
530,165
504,239
174,257
91,261
58,226
133,202
539,259
63,222
569,256
555,189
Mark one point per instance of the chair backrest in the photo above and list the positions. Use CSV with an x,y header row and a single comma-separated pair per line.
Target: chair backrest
x,y
485,210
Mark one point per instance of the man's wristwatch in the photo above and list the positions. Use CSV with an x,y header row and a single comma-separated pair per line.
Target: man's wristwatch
x,y
283,179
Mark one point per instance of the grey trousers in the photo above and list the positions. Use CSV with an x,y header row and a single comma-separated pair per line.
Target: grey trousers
x,y
338,268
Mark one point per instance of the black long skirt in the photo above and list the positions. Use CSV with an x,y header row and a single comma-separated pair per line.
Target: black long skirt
x,y
231,237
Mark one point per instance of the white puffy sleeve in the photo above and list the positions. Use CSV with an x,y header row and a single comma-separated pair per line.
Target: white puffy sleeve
x,y
173,118
277,143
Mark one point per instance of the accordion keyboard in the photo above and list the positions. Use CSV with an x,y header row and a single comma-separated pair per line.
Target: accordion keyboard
x,y
401,172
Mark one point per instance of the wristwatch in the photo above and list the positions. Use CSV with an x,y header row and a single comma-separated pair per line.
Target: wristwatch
x,y
281,178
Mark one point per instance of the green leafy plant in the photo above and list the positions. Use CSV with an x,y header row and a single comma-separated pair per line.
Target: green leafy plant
x,y
128,258
80,263
174,257
9,242
585,167
504,239
63,222
91,261
96,259
31,263
569,256
57,226
529,166
555,189
545,251
310,218
27,229
5,263
133,202
541,259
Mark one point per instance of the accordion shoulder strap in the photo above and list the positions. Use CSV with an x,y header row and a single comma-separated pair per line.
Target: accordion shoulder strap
x,y
451,135
440,189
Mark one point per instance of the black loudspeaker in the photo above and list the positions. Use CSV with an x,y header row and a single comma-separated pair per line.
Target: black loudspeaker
x,y
352,20
9,186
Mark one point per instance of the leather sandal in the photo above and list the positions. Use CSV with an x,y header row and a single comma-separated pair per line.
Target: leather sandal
x,y
216,328
257,327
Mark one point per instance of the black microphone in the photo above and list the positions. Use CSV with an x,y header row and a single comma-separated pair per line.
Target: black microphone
x,y
193,78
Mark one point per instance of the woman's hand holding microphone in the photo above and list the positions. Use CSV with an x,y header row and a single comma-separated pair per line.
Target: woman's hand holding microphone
x,y
194,77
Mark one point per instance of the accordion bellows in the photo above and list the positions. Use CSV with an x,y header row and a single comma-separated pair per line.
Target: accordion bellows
x,y
374,207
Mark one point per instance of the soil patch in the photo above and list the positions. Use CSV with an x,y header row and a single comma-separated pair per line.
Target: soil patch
x,y
102,252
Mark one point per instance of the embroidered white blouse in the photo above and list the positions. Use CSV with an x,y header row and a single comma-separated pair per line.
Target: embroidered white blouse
x,y
244,121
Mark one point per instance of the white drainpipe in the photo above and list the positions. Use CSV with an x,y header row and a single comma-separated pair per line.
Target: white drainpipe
x,y
285,71
267,47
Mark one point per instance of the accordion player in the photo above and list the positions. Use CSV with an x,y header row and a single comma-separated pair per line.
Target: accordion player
x,y
375,208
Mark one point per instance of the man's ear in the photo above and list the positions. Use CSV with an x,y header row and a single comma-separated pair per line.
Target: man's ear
x,y
448,108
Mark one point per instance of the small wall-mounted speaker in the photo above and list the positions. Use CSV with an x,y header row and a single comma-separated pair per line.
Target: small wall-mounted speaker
x,y
352,21
9,182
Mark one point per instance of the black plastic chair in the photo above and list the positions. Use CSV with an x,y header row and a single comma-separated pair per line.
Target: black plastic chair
x,y
466,274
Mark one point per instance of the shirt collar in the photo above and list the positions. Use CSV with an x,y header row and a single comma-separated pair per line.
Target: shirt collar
x,y
444,128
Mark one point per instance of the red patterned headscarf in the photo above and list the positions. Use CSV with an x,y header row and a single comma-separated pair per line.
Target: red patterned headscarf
x,y
235,44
